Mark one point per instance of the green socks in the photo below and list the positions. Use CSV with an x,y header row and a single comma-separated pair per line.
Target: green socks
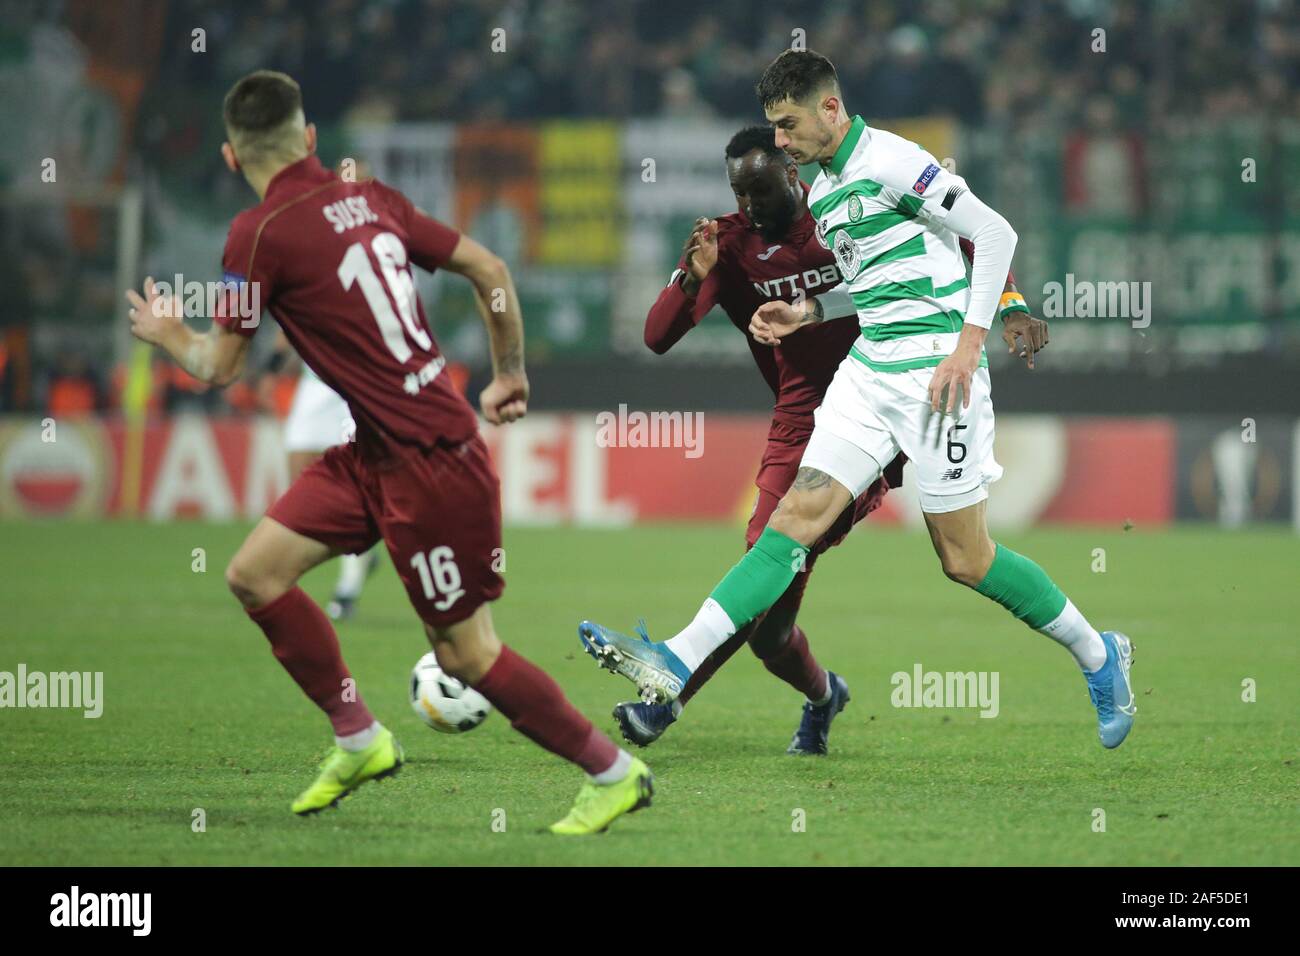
x,y
1023,588
762,576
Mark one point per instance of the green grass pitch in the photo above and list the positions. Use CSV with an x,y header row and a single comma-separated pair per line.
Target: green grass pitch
x,y
197,714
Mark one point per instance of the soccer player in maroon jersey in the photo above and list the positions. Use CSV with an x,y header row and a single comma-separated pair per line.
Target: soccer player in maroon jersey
x,y
330,260
768,250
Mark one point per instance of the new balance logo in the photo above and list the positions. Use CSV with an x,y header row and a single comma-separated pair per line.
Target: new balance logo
x,y
950,474
768,255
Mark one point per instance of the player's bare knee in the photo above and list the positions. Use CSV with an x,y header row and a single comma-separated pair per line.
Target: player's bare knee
x,y
251,586
449,657
803,515
242,582
465,661
790,523
810,507
964,567
465,650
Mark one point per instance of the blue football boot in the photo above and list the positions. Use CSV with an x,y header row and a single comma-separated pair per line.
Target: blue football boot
x,y
658,673
815,727
643,724
1111,692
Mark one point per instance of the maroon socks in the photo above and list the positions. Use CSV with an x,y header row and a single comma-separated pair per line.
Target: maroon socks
x,y
794,663
303,641
538,709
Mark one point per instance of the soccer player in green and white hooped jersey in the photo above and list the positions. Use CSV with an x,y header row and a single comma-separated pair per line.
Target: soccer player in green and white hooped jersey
x,y
893,217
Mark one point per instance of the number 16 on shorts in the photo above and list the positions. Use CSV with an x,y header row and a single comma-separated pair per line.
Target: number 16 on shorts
x,y
439,576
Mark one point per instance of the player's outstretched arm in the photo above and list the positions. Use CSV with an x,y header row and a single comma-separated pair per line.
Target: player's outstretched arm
x,y
506,397
773,321
216,357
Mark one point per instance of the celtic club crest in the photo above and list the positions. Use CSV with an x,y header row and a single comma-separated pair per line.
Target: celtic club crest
x,y
846,254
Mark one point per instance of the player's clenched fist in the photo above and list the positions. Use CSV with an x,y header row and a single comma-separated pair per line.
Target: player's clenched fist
x,y
773,321
505,399
151,315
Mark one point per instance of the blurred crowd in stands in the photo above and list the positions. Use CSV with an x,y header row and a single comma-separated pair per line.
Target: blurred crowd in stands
x,y
1005,65
979,60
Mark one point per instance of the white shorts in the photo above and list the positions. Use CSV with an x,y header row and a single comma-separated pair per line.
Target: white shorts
x,y
867,417
318,418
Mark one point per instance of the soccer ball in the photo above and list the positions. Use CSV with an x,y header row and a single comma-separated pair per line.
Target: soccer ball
x,y
443,702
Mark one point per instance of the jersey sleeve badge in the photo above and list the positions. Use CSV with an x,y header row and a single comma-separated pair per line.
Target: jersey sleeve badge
x,y
923,181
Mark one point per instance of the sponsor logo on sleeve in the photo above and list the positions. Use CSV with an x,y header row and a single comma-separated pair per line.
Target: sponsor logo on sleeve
x,y
923,182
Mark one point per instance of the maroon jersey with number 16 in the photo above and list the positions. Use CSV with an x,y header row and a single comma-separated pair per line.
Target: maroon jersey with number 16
x,y
332,263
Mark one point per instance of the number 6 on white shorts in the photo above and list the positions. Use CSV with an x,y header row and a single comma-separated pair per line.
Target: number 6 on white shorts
x,y
439,575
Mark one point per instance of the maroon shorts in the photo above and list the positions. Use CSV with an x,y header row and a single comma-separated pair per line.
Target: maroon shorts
x,y
785,448
438,511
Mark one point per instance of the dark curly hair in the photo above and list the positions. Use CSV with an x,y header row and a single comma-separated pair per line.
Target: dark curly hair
x,y
755,137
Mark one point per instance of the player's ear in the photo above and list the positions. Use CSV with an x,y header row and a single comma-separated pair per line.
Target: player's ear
x,y
309,138
228,154
831,108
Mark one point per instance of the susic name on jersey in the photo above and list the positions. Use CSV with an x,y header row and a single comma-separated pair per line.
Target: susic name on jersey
x,y
348,213
772,288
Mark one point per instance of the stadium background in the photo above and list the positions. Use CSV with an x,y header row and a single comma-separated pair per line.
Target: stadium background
x,y
581,152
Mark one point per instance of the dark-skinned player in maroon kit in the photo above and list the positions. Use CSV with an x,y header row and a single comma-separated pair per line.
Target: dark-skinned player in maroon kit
x,y
769,250
330,260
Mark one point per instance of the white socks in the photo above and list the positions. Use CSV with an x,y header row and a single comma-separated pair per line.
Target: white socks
x,y
707,632
361,739
615,771
352,575
1073,632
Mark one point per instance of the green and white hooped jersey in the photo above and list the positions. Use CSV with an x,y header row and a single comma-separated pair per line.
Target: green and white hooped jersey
x,y
880,206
